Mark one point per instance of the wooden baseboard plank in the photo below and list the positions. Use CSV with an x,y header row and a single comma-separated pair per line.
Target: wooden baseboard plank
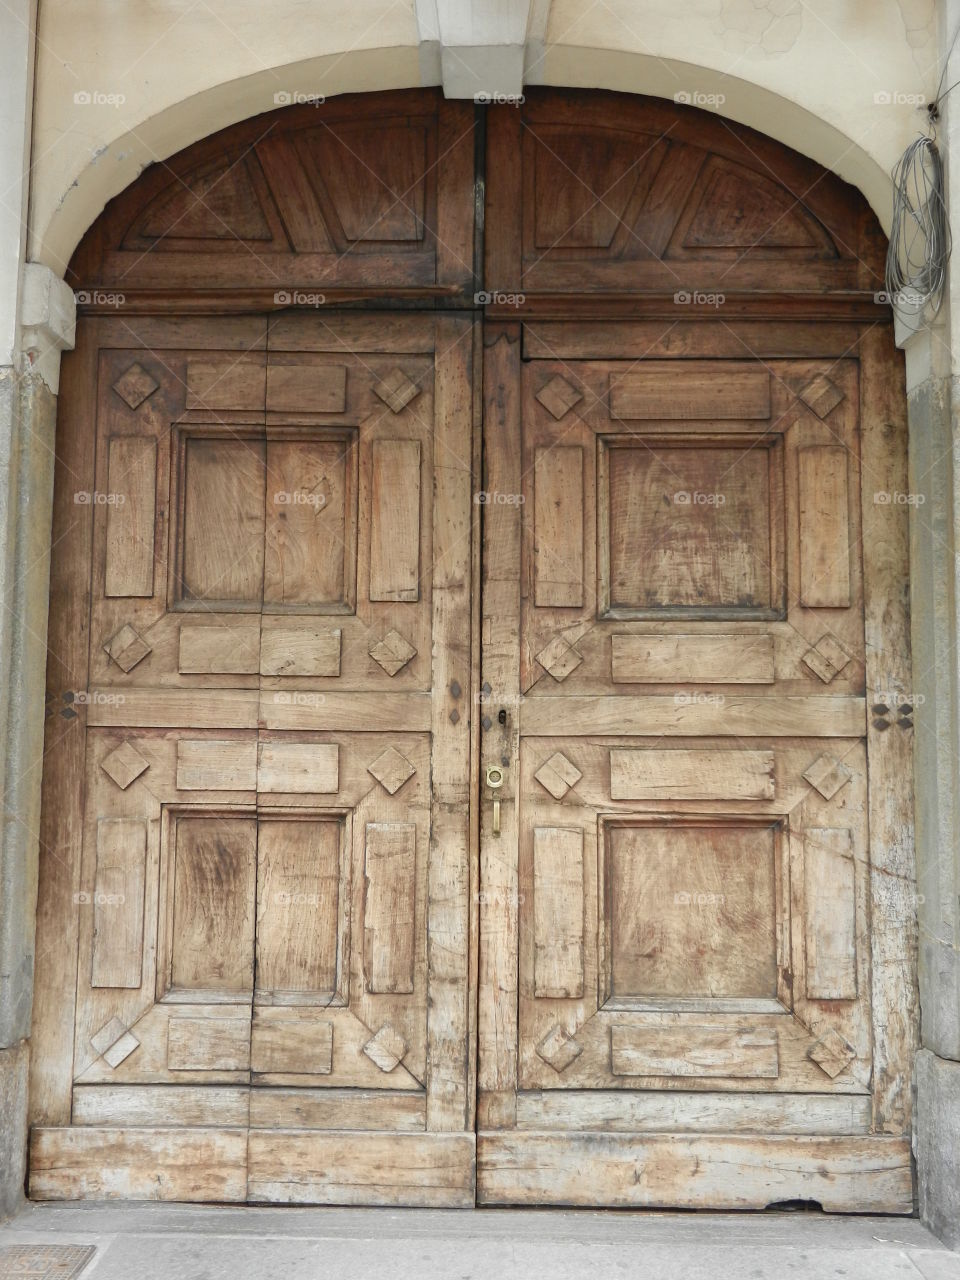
x,y
870,1174
431,1170
98,1163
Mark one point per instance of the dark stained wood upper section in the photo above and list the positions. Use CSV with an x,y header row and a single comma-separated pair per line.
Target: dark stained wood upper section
x,y
587,193
372,190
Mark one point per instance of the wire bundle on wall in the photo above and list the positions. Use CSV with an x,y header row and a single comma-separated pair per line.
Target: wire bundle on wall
x,y
919,235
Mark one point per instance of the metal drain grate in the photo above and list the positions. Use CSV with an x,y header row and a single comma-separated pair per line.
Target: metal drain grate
x,y
44,1261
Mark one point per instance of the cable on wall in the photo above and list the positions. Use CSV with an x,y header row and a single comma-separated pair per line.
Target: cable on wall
x,y
919,234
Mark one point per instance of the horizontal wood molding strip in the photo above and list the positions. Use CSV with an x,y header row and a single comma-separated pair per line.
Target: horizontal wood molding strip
x,y
801,716
620,1110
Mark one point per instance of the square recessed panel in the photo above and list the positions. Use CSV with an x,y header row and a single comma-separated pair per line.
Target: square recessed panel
x,y
691,909
267,521
691,528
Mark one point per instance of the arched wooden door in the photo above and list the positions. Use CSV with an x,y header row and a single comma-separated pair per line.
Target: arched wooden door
x,y
427,826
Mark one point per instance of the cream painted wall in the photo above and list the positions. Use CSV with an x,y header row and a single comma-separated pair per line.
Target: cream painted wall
x,y
163,73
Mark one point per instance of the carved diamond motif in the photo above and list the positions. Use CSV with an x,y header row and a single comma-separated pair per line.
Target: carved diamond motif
x,y
557,775
124,765
135,386
392,652
386,1048
826,659
827,776
821,395
391,770
559,658
114,1042
558,397
558,1049
396,390
832,1053
127,647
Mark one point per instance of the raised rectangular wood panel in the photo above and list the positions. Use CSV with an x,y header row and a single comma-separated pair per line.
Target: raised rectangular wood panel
x,y
688,528
131,516
213,904
297,1044
232,649
669,391
298,767
724,658
214,764
558,526
118,902
208,1044
558,906
389,906
227,382
395,520
691,909
299,649
306,388
655,774
830,918
824,527
309,523
222,522
692,1051
298,899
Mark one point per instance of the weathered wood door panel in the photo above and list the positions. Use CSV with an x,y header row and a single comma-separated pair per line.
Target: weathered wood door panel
x,y
678,895
274,858
301,916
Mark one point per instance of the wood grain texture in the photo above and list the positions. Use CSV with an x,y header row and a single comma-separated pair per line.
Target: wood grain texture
x,y
843,1174
118,902
724,658
429,1170
692,1051
98,1163
893,911
655,391
691,775
305,767
389,907
213,904
298,900
830,923
824,528
131,515
558,527
558,911
395,520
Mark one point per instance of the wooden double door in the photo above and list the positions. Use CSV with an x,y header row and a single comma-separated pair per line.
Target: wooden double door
x,y
478,752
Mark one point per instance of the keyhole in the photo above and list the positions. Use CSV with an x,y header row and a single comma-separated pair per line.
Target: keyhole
x,y
502,717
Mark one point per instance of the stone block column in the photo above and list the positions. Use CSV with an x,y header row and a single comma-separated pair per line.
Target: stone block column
x,y
36,324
